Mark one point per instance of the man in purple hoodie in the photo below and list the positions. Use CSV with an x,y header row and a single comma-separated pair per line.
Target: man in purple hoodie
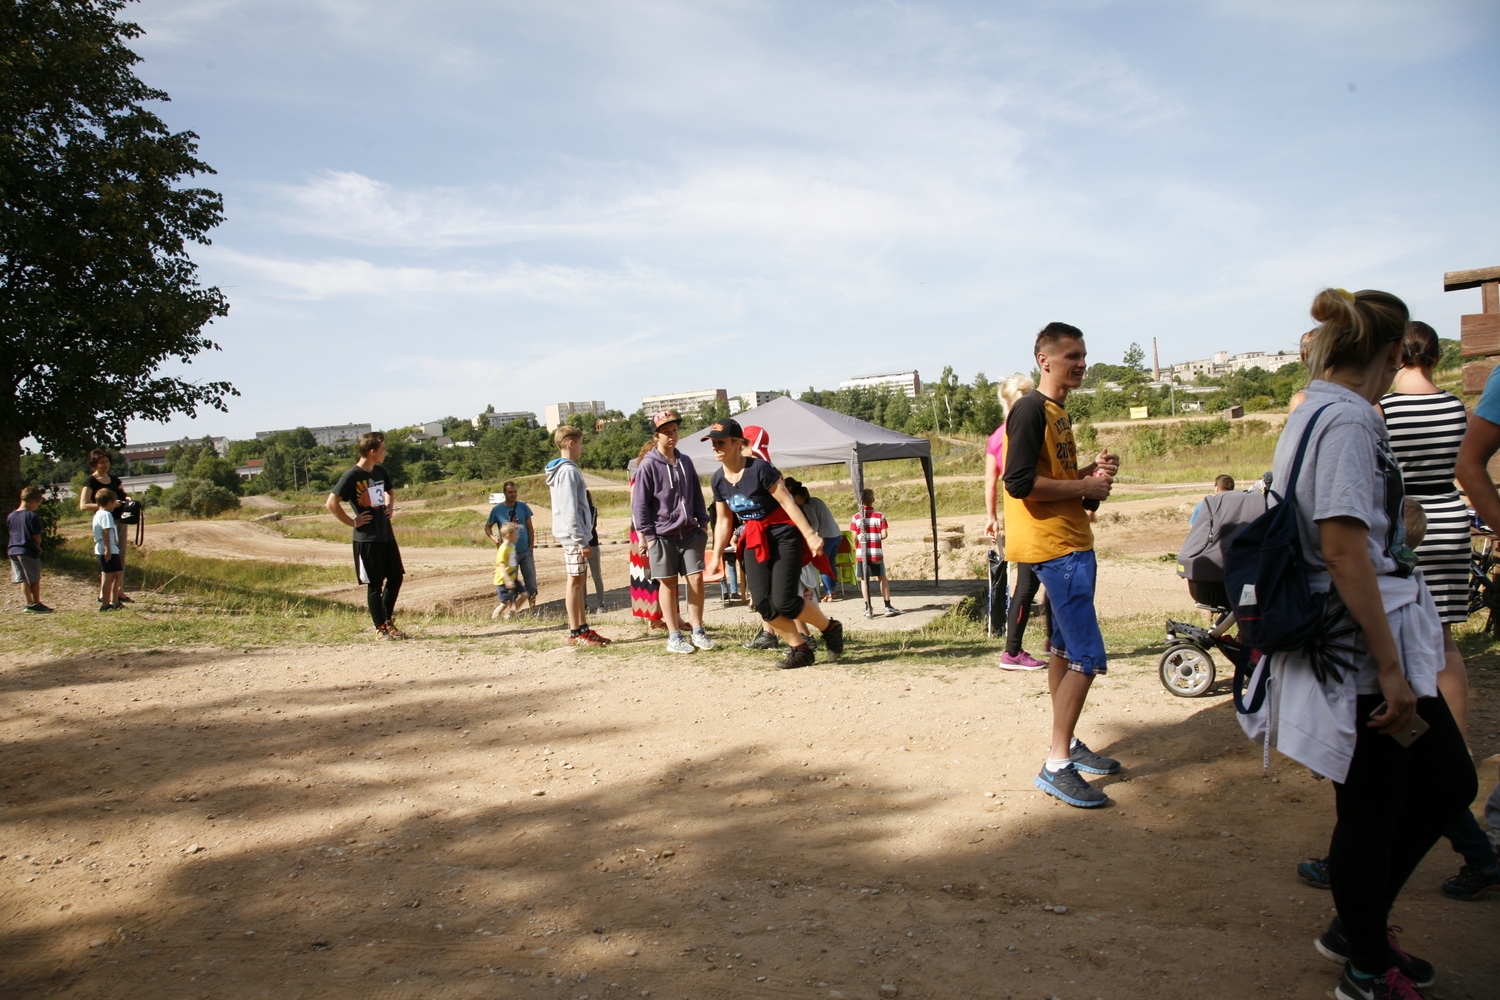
x,y
670,515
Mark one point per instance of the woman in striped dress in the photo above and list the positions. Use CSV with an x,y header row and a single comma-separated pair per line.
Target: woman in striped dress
x,y
644,600
1427,426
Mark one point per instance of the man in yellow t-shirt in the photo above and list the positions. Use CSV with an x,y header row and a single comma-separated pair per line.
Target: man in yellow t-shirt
x,y
1047,503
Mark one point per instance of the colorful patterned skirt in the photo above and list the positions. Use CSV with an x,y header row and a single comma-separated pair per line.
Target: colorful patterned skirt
x,y
643,590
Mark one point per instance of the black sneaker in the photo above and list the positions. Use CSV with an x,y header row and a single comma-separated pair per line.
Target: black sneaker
x,y
1086,760
833,638
1070,787
764,640
1472,883
126,599
1332,945
797,656
1392,985
1314,871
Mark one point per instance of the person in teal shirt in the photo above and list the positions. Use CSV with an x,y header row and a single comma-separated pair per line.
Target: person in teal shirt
x,y
517,511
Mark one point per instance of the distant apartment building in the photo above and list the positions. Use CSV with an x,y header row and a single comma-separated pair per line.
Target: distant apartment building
x,y
684,402
908,382
750,400
483,420
1224,363
558,413
325,436
155,451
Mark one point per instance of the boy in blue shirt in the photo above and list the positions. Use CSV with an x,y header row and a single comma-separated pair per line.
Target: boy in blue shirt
x,y
25,549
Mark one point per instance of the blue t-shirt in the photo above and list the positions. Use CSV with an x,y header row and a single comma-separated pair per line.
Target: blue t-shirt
x,y
1489,401
749,499
520,513
24,526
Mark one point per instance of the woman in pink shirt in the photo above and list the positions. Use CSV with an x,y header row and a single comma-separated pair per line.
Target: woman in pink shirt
x,y
1019,606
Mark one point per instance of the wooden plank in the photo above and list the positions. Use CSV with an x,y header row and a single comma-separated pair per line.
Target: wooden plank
x,y
1476,373
1456,280
1491,297
1480,333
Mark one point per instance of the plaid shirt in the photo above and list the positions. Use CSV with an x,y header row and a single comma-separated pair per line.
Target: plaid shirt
x,y
867,526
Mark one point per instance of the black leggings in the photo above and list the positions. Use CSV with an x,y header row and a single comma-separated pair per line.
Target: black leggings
x,y
1392,807
775,587
381,600
1020,607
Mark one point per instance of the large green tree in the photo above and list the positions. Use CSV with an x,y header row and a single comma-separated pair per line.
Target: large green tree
x,y
97,292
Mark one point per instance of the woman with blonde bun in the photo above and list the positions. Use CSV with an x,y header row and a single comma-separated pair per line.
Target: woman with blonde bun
x,y
1018,609
1379,728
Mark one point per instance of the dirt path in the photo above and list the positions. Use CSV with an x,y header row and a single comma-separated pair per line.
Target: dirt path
x,y
492,815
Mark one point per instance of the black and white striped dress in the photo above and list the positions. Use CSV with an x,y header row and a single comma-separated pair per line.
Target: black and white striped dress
x,y
1426,431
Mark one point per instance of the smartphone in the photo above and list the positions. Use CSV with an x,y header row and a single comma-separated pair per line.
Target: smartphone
x,y
1418,727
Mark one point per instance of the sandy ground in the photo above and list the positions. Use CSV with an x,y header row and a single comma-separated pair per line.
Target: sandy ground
x,y
490,814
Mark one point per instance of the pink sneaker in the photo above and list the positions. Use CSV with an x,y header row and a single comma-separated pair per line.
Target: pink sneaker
x,y
1021,661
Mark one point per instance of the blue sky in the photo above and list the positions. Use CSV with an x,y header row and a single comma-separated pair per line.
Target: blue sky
x,y
436,206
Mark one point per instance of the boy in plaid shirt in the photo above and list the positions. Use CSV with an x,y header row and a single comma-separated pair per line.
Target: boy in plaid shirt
x,y
870,529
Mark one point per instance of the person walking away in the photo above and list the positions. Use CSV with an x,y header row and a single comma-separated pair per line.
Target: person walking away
x,y
572,526
1396,786
667,504
1047,503
513,509
107,548
507,571
24,525
1427,425
100,478
645,603
367,488
776,543
870,530
1023,595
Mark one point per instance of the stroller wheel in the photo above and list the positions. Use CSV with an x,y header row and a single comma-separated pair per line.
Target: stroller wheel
x,y
1186,670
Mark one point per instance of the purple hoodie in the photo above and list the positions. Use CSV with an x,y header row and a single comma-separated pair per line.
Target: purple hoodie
x,y
667,499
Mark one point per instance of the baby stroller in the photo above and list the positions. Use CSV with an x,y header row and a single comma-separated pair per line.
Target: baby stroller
x,y
1187,667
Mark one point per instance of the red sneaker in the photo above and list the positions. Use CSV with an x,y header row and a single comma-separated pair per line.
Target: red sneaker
x,y
392,632
588,637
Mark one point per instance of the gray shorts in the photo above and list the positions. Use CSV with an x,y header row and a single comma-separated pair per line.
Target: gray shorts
x,y
681,556
25,569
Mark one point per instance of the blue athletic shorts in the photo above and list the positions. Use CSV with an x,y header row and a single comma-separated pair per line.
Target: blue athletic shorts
x,y
1075,627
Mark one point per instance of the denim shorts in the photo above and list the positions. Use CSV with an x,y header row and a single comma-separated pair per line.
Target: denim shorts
x,y
1070,583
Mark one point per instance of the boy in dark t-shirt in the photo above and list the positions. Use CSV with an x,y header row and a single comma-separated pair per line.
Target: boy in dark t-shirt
x,y
367,488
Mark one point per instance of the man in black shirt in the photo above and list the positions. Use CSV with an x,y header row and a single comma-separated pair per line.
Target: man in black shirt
x,y
367,488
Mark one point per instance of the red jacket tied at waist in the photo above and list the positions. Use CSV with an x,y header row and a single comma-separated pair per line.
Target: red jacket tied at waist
x,y
755,538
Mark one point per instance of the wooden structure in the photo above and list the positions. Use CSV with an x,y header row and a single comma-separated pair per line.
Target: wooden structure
x,y
1479,332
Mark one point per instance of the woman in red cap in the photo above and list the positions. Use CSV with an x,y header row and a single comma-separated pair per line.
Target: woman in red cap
x,y
776,543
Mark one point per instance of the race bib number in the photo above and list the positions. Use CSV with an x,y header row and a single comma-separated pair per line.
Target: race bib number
x,y
375,495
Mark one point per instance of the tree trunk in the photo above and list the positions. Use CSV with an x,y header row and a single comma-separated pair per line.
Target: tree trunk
x,y
10,469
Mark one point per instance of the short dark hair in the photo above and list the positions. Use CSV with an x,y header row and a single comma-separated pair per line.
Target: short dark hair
x,y
369,442
1054,332
1225,483
509,482
867,497
99,455
1419,346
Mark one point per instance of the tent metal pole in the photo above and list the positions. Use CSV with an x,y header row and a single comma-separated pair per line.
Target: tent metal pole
x,y
932,507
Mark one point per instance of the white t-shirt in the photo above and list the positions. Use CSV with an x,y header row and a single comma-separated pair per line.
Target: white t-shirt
x,y
104,523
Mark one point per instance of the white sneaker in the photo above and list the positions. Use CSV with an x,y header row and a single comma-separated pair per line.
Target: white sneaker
x,y
701,640
679,644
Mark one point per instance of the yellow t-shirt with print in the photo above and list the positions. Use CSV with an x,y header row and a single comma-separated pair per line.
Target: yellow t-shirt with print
x,y
505,564
1039,443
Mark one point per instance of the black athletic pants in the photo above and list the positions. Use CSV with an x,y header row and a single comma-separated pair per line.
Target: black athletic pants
x,y
378,566
1392,807
775,587
1027,583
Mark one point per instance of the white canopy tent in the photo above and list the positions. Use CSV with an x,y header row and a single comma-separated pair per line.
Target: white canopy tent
x,y
804,434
